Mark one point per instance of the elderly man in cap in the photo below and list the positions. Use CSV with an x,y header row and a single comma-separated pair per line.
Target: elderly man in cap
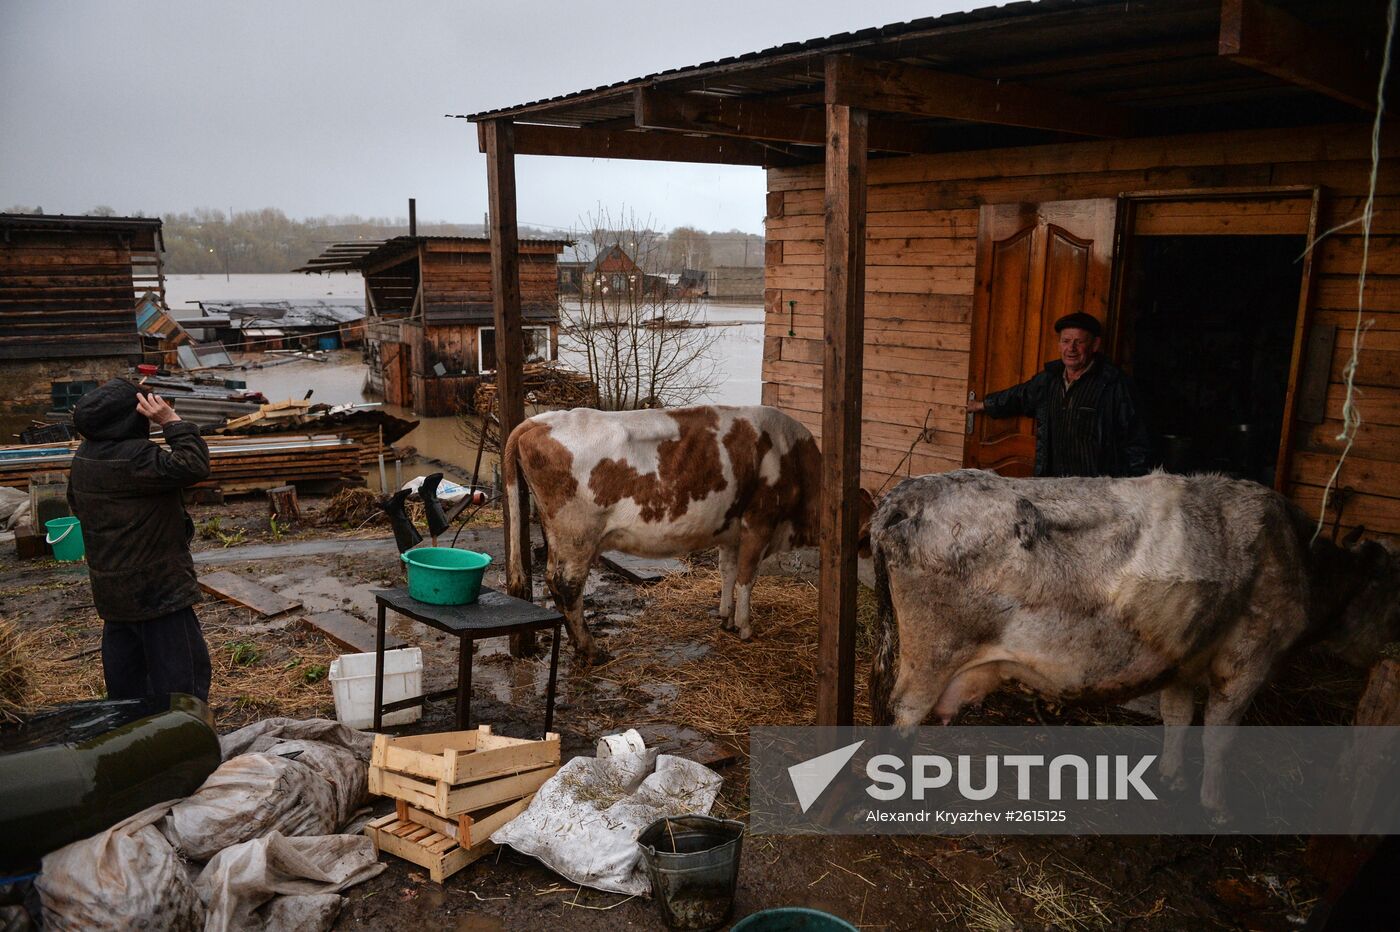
x,y
1087,421
126,492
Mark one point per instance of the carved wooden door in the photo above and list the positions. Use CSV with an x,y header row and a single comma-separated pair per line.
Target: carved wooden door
x,y
1035,263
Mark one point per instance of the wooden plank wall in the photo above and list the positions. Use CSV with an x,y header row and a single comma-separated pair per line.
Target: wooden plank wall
x,y
457,283
67,294
920,254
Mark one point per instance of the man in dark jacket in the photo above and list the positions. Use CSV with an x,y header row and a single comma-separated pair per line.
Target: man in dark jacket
x,y
126,492
1087,421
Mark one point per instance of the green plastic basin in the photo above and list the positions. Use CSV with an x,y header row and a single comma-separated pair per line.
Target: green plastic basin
x,y
444,575
792,919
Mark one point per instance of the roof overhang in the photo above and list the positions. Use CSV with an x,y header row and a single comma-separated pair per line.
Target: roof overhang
x,y
1020,74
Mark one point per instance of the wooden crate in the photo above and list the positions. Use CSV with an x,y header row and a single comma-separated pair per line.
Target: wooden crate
x,y
468,828
457,772
442,855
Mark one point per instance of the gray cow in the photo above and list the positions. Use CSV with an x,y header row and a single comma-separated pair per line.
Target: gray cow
x,y
1109,589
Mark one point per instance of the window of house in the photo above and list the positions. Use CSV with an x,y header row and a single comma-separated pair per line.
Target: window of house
x,y
537,347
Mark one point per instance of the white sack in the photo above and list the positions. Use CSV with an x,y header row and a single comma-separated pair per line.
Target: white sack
x,y
347,775
275,883
14,507
128,877
584,822
262,735
249,796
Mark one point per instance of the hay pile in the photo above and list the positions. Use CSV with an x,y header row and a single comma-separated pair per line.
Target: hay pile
x,y
352,507
255,675
768,680
15,686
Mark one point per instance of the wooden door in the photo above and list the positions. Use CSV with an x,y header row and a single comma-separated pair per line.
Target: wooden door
x,y
1035,263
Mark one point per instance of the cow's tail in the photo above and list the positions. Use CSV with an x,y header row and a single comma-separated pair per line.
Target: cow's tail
x,y
516,583
885,662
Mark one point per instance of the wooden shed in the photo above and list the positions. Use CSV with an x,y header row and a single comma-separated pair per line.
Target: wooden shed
x,y
1194,172
69,290
428,327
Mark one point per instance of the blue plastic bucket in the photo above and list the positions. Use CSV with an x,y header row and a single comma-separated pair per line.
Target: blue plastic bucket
x,y
65,536
444,575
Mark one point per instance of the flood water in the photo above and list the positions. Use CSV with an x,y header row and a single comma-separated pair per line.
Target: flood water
x,y
341,380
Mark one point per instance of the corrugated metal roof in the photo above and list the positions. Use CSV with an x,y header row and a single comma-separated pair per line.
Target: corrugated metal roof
x,y
839,42
1157,58
72,223
352,257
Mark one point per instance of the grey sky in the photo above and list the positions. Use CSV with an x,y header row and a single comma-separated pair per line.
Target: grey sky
x,y
337,107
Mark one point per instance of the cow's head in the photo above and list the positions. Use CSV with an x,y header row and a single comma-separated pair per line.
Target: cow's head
x,y
866,510
1356,597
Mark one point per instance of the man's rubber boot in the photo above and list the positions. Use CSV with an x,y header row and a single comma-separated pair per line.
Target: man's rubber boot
x,y
406,536
437,519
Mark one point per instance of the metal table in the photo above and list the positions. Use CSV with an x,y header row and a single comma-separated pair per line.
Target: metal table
x,y
491,615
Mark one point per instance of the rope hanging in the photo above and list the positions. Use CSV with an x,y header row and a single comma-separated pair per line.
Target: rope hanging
x,y
1351,417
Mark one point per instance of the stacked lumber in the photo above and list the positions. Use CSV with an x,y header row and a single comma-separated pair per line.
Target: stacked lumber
x,y
276,411
451,790
237,464
364,426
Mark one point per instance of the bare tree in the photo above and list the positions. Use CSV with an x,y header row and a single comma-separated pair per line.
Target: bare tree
x,y
627,328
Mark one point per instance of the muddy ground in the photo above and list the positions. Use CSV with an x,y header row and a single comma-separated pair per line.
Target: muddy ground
x,y
270,667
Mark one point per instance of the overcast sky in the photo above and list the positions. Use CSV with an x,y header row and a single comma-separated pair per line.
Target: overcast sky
x,y
337,107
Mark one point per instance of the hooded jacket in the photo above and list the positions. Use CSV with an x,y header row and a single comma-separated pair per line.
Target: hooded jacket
x,y
126,492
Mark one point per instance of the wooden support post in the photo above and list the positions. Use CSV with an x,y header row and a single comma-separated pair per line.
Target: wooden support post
x,y
844,338
499,136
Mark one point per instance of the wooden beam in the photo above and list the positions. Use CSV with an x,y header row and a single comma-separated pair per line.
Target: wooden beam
x,y
651,147
893,88
1273,41
748,118
499,137
842,361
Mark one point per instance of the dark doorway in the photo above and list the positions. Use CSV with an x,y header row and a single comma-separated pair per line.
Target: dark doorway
x,y
1207,328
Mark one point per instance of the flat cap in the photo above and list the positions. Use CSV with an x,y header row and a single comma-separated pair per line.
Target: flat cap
x,y
1081,321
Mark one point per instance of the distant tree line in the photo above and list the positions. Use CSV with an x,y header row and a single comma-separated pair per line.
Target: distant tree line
x,y
208,240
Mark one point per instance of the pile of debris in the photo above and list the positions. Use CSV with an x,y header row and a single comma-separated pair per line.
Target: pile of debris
x,y
366,424
545,384
237,464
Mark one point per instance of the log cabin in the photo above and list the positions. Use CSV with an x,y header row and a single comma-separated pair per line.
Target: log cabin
x,y
69,290
1196,173
428,327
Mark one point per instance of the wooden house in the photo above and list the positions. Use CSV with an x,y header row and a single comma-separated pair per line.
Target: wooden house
x,y
428,327
69,291
1193,172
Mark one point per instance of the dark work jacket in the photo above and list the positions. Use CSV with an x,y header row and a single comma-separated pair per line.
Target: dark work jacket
x,y
126,492
1113,427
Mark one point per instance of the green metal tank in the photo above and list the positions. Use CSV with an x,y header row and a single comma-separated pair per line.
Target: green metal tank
x,y
75,770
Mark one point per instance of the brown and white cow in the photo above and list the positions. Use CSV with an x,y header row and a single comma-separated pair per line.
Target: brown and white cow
x,y
664,483
1109,588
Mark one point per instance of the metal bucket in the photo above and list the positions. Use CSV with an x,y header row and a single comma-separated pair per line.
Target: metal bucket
x,y
693,864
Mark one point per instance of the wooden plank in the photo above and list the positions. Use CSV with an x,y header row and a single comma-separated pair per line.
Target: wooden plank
x,y
472,828
844,304
650,147
489,793
747,118
245,592
894,88
641,570
1216,217
348,632
1263,37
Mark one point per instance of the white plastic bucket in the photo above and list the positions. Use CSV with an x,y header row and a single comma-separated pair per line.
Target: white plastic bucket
x,y
352,684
